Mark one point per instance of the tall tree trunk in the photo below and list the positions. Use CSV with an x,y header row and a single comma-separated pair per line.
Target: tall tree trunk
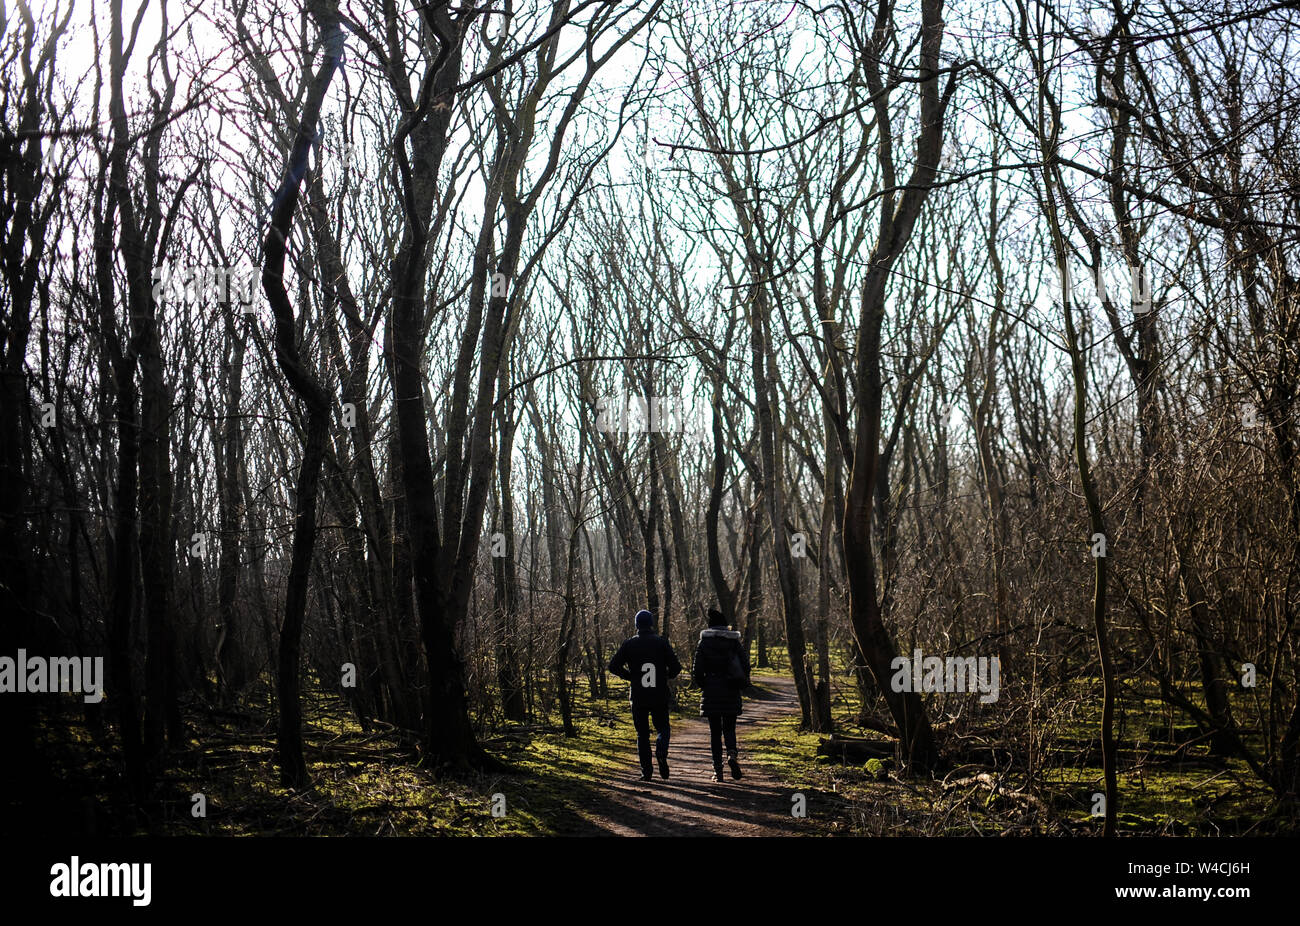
x,y
1097,525
293,767
772,492
161,720
27,209
504,572
722,589
754,627
822,721
898,216
1046,111
229,471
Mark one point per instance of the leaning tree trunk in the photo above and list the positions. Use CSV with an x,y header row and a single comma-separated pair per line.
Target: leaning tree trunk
x,y
293,768
899,214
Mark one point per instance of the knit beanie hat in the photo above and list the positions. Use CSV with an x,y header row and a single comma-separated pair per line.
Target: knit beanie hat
x,y
644,620
716,618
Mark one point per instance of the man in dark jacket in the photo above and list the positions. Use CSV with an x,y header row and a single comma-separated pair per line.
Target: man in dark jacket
x,y
648,662
721,670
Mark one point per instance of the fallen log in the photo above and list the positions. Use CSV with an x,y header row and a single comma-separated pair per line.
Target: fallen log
x,y
854,749
867,722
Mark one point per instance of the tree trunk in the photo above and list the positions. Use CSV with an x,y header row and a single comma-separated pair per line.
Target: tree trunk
x,y
293,768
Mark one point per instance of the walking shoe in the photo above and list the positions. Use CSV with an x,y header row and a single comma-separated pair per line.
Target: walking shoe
x,y
663,768
646,776
735,767
717,773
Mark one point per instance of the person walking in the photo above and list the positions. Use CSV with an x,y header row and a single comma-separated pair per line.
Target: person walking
x,y
721,670
647,661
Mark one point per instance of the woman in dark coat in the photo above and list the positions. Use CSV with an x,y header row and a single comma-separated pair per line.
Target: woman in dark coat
x,y
721,670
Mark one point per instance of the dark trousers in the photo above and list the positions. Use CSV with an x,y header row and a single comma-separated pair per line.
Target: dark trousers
x,y
641,717
721,725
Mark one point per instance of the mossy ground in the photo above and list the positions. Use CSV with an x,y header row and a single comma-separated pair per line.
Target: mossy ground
x,y
1165,787
374,784
362,783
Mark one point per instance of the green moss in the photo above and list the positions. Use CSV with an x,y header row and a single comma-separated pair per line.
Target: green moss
x,y
373,782
1166,788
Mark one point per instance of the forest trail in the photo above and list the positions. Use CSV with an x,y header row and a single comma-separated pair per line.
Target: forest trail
x,y
688,803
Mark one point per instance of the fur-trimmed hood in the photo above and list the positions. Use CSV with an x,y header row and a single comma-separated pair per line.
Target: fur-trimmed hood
x,y
719,632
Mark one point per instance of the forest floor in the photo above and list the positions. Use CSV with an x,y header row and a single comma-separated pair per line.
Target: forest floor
x,y
223,780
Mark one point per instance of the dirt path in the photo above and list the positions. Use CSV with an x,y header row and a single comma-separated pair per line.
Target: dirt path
x,y
689,803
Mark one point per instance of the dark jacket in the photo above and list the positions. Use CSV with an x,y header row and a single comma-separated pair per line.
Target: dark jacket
x,y
632,660
721,695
